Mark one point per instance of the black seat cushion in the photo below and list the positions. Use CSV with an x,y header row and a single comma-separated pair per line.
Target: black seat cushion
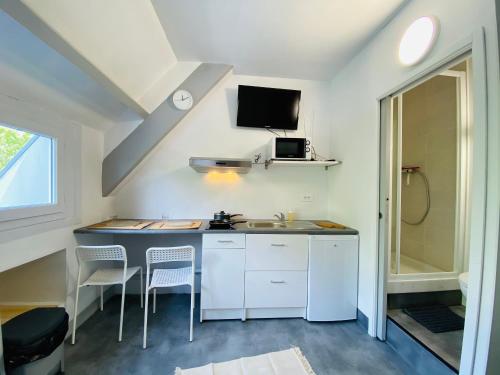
x,y
33,335
33,325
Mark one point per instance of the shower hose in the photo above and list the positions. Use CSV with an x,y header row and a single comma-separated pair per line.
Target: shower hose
x,y
428,201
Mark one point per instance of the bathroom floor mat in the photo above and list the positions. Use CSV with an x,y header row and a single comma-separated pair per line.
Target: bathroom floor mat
x,y
437,318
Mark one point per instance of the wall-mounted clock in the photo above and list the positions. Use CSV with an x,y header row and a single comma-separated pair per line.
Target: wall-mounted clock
x,y
183,100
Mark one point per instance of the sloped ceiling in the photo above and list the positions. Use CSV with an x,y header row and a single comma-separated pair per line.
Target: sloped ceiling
x,y
108,62
30,70
284,38
120,43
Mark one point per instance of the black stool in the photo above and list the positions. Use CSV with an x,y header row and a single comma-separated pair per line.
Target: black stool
x,y
33,342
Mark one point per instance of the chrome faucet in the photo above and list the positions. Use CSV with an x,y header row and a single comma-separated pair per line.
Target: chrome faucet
x,y
280,216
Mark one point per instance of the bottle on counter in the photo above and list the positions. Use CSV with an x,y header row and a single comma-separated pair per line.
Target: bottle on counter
x,y
291,215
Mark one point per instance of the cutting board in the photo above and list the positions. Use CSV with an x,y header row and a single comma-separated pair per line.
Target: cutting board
x,y
329,224
128,224
175,224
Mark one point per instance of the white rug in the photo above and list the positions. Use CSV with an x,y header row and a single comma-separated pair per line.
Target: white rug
x,y
285,362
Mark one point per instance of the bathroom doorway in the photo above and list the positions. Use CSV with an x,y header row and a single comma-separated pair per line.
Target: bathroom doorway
x,y
428,149
430,181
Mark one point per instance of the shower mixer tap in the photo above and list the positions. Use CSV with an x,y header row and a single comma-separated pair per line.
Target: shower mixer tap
x,y
409,170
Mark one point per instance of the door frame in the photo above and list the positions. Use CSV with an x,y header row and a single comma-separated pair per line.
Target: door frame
x,y
474,45
462,175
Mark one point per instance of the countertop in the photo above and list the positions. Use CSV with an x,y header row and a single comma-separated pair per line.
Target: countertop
x,y
239,228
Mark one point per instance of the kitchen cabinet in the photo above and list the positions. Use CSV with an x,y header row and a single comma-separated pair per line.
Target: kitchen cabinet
x,y
276,275
332,278
279,275
222,276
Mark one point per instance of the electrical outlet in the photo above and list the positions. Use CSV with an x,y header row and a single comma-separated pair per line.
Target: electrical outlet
x,y
307,198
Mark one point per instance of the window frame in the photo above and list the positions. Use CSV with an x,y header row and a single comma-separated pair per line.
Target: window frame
x,y
24,116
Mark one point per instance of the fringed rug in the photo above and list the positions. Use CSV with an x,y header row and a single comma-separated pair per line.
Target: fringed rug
x,y
285,362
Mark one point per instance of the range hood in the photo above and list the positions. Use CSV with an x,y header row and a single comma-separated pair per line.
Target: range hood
x,y
204,165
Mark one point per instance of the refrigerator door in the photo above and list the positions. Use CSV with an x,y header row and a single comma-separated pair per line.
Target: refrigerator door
x,y
333,278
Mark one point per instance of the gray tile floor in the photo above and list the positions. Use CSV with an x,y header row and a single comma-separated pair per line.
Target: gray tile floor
x,y
331,348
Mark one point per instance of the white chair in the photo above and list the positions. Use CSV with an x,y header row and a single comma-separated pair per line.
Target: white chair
x,y
164,278
104,276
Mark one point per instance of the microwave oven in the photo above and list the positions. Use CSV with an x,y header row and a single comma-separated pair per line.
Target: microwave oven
x,y
287,148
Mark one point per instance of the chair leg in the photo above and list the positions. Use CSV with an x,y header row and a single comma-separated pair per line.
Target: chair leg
x,y
154,301
145,320
102,298
121,314
76,313
142,290
192,312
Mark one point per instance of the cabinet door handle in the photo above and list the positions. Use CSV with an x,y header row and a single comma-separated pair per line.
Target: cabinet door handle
x,y
225,241
278,244
278,282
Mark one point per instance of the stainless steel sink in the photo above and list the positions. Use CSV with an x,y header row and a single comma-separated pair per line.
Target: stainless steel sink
x,y
266,224
292,225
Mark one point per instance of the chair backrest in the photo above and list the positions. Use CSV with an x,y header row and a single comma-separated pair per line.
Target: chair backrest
x,y
97,253
169,254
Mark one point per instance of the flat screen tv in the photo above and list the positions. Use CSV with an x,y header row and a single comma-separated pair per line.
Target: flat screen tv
x,y
265,107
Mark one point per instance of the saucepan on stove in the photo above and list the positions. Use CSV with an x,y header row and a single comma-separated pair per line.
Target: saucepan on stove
x,y
224,217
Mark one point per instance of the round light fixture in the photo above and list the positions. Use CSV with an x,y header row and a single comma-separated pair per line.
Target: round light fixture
x,y
418,40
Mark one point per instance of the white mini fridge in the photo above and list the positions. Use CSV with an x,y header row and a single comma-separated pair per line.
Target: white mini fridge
x,y
333,278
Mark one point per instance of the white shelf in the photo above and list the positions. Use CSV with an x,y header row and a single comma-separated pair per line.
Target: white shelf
x,y
301,163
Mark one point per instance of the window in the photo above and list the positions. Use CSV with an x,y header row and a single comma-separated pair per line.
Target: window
x,y
27,169
40,169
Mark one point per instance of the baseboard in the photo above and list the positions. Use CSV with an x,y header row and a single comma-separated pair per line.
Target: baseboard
x,y
270,313
221,314
362,319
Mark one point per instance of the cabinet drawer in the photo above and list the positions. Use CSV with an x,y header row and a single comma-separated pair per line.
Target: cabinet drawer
x,y
224,241
275,289
277,252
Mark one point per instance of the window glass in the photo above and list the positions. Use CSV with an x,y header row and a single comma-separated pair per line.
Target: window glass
x,y
27,169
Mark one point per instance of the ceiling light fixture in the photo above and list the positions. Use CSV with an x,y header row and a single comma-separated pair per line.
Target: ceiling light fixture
x,y
418,40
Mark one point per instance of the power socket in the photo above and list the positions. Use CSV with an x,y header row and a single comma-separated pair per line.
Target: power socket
x,y
307,198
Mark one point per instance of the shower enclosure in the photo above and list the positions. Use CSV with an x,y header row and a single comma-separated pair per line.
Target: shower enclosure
x,y
428,198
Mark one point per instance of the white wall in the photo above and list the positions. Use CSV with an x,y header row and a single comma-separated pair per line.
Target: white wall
x,y
33,244
167,83
40,281
151,100
164,184
372,73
